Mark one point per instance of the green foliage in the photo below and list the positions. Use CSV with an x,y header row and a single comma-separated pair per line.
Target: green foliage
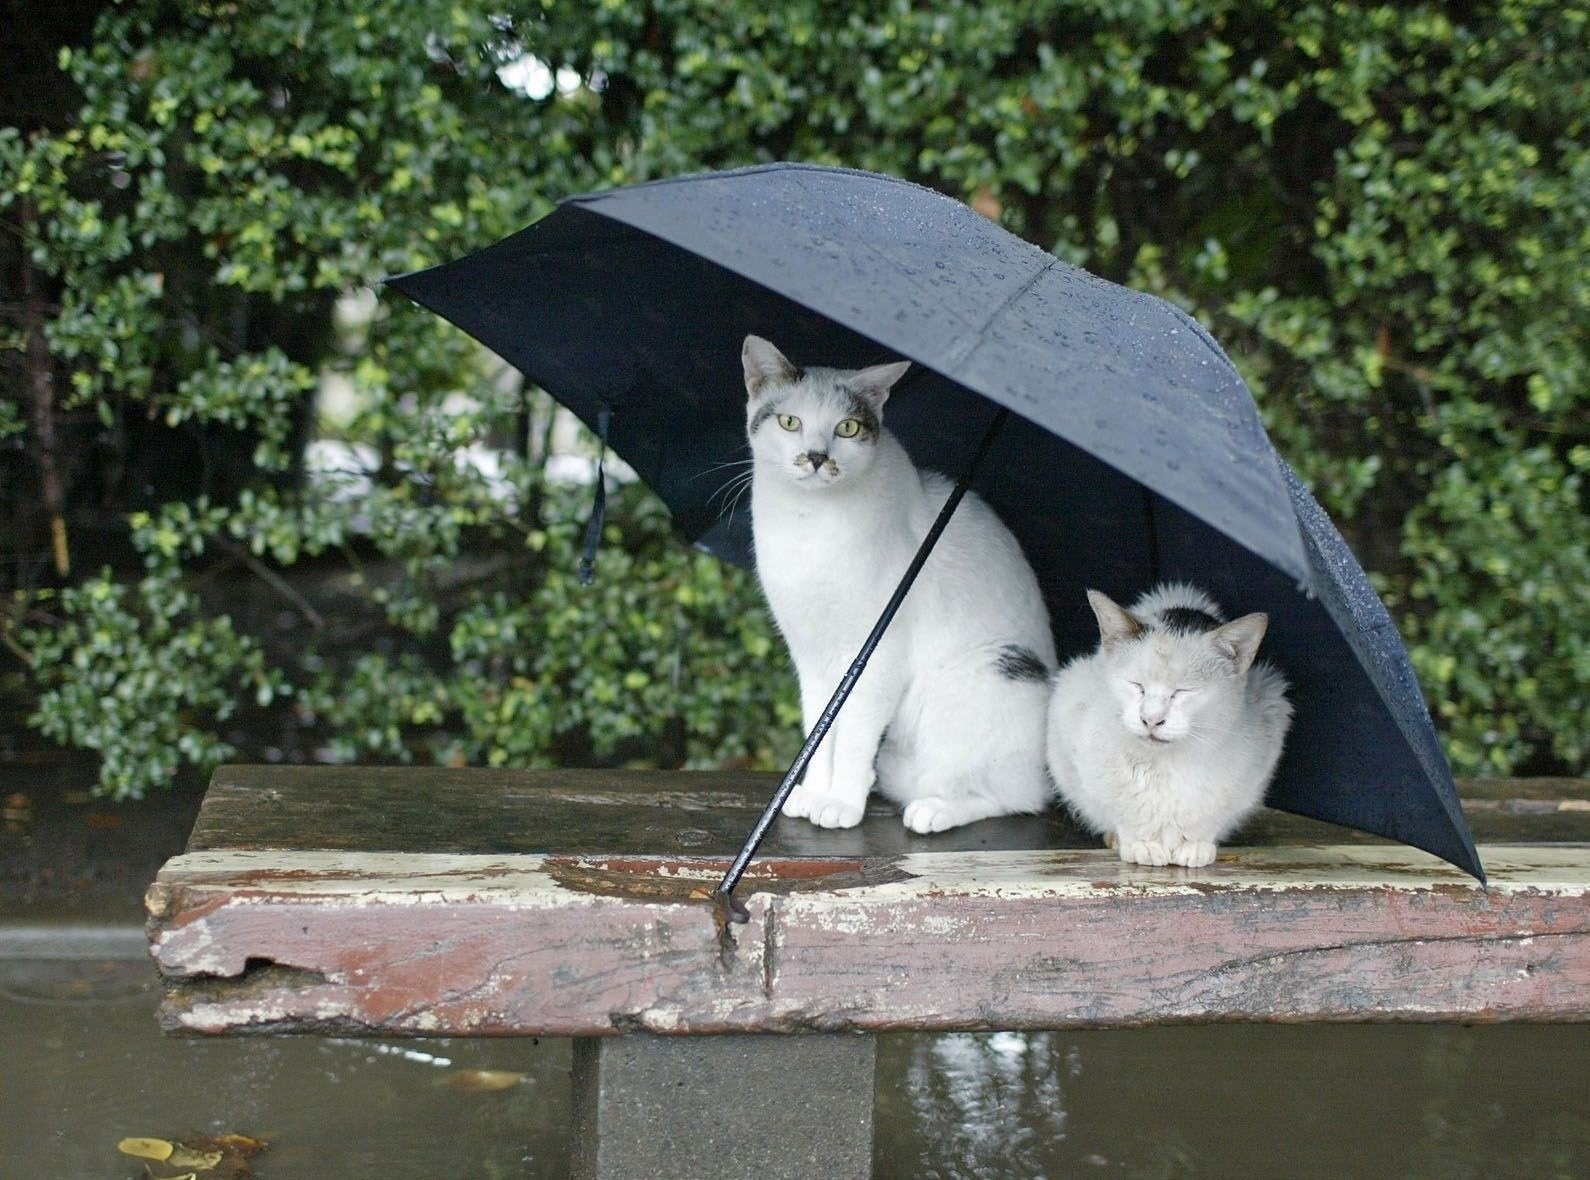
x,y
129,671
1380,209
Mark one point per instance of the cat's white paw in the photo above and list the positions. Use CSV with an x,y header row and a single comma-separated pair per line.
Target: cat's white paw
x,y
1110,840
1193,853
823,809
799,803
1144,852
930,814
830,812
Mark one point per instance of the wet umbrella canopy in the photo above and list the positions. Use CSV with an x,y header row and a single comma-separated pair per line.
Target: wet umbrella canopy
x,y
1134,452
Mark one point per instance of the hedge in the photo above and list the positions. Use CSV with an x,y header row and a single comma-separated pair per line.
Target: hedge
x,y
1380,210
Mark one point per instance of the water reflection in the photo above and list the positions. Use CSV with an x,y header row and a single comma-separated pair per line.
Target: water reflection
x,y
1410,1102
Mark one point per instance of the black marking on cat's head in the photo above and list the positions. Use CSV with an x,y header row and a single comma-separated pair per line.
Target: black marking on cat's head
x,y
864,412
761,414
1187,620
1016,662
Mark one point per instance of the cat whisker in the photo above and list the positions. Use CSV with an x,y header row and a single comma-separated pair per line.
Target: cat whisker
x,y
733,492
733,486
720,467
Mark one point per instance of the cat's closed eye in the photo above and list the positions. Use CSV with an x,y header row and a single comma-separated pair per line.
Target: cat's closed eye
x,y
848,428
789,421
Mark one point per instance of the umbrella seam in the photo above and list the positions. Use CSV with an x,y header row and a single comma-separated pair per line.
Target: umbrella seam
x,y
1010,300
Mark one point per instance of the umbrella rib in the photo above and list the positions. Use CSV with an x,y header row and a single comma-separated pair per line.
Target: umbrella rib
x,y
978,339
728,908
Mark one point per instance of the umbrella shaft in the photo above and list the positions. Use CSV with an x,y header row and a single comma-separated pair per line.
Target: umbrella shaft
x,y
857,666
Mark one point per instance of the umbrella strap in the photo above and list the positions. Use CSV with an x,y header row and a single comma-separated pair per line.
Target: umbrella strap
x,y
593,526
728,908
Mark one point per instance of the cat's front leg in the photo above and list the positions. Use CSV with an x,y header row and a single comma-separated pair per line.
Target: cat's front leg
x,y
857,734
815,788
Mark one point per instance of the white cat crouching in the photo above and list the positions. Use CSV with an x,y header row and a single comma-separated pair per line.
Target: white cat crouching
x,y
1165,739
948,718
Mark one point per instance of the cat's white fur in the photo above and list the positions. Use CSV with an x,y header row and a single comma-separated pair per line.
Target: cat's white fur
x,y
1167,736
948,718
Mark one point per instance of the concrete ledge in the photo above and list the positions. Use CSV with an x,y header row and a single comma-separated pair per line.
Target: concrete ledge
x,y
527,944
72,941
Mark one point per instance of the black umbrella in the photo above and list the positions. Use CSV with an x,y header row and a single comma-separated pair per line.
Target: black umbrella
x,y
1135,452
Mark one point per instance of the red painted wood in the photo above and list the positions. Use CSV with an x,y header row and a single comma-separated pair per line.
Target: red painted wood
x,y
522,945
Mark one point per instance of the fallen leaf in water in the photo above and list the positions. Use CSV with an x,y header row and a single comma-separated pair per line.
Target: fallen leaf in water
x,y
187,1157
216,1158
243,1145
147,1149
481,1081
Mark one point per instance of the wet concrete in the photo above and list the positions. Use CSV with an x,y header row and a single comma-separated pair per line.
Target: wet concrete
x,y
85,1066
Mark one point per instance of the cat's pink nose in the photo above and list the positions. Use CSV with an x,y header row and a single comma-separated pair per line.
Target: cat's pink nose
x,y
1153,720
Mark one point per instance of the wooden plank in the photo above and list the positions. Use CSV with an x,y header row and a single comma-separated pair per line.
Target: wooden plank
x,y
520,944
614,812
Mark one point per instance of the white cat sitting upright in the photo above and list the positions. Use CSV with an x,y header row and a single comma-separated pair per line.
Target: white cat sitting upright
x,y
948,719
1166,738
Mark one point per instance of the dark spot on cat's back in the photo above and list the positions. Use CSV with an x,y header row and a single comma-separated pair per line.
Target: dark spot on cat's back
x,y
1187,620
1020,663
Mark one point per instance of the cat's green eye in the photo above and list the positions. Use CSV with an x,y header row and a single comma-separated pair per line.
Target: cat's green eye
x,y
789,421
848,428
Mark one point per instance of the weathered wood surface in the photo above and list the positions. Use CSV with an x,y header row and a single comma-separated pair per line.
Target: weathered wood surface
x,y
444,901
437,809
469,944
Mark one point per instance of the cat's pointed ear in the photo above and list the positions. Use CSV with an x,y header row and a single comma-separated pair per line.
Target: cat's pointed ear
x,y
1239,639
875,383
763,364
1116,624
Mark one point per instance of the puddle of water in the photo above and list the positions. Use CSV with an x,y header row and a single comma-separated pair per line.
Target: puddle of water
x,y
82,1065
1402,1102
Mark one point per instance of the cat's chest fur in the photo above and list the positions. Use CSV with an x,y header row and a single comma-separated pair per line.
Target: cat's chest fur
x,y
822,559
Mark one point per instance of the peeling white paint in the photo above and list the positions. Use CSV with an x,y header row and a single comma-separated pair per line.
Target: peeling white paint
x,y
523,880
661,1020
361,878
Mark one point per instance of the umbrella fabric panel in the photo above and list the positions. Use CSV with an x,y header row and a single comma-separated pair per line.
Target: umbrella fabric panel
x,y
1119,373
1359,616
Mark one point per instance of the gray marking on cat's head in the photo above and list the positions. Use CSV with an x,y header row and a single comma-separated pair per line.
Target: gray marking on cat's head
x,y
1016,662
761,414
1187,620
